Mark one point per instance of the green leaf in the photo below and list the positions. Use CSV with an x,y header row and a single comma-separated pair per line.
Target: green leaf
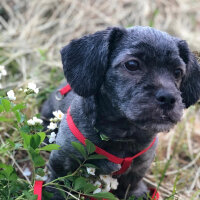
x,y
79,147
40,172
1,108
37,159
26,139
6,104
25,129
20,106
8,172
42,136
18,116
96,156
30,195
4,119
88,188
104,137
90,146
90,165
12,144
79,183
35,141
103,195
50,147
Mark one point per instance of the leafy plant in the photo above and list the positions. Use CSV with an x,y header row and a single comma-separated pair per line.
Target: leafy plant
x,y
29,137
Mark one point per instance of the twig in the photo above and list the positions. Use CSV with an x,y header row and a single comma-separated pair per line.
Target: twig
x,y
70,194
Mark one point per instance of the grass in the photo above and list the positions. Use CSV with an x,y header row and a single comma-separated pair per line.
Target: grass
x,y
31,36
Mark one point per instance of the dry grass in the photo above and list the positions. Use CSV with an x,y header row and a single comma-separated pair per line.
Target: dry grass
x,y
33,32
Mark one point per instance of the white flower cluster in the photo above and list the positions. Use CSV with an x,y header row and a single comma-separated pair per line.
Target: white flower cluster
x,y
34,121
31,88
58,116
108,182
11,95
3,72
53,124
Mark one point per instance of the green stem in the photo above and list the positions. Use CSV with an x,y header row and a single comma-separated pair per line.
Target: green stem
x,y
67,176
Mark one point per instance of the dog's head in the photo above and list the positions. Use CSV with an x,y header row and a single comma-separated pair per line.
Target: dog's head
x,y
147,75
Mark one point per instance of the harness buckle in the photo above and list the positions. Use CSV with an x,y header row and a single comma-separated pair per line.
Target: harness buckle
x,y
59,96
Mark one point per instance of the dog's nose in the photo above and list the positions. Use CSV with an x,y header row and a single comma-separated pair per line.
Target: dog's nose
x,y
165,99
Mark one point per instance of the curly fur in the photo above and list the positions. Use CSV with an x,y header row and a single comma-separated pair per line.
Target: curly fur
x,y
120,103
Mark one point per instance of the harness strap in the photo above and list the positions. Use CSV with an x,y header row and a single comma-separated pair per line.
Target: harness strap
x,y
75,131
65,89
125,162
155,194
38,189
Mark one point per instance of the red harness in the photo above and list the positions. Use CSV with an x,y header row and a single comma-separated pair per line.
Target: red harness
x,y
125,162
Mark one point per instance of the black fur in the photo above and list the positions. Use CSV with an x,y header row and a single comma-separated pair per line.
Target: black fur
x,y
85,60
123,104
190,85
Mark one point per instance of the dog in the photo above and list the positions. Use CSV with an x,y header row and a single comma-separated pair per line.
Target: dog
x,y
130,84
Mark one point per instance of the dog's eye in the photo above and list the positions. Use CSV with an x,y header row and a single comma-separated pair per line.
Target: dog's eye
x,y
132,65
178,73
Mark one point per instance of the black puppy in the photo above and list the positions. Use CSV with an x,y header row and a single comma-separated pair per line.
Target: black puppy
x,y
130,84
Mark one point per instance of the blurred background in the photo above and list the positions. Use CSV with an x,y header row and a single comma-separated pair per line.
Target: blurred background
x,y
32,32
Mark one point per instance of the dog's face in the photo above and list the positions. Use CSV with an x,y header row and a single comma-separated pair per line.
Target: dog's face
x,y
147,75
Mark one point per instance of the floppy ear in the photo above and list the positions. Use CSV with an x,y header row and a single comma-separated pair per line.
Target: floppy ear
x,y
86,60
190,86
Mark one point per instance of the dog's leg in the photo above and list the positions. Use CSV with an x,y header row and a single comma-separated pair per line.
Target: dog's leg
x,y
131,184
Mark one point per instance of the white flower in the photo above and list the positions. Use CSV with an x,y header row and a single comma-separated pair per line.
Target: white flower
x,y
105,178
36,90
41,178
52,126
111,183
32,86
114,183
37,120
97,191
2,70
26,172
53,120
97,183
11,95
52,137
58,114
31,122
20,89
34,121
91,170
106,188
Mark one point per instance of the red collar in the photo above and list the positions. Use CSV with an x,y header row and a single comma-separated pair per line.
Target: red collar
x,y
125,162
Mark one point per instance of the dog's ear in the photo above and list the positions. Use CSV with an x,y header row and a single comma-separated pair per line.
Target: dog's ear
x,y
85,60
190,86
